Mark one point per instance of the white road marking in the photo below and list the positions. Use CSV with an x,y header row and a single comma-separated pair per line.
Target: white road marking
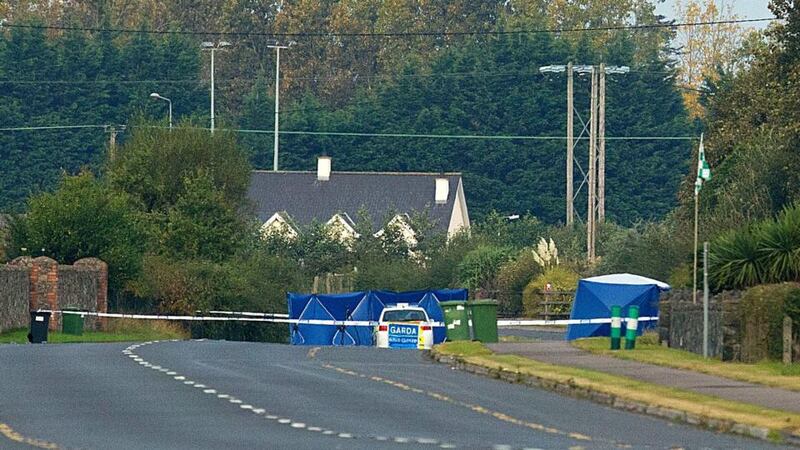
x,y
401,440
297,425
427,441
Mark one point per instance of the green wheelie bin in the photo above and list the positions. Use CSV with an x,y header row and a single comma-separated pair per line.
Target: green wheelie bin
x,y
456,319
484,320
72,323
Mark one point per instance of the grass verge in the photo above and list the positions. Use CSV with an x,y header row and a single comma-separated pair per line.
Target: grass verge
x,y
768,373
119,330
706,407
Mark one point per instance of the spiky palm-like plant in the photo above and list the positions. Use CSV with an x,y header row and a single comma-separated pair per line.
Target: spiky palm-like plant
x,y
735,259
779,247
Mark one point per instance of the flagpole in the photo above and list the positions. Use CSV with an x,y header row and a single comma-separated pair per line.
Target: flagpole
x,y
694,267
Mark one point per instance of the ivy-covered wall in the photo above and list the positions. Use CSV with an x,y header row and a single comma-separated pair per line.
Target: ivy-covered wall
x,y
14,292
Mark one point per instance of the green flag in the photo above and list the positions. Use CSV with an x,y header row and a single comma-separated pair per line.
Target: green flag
x,y
703,169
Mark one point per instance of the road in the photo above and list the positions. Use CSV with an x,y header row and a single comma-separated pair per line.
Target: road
x,y
216,394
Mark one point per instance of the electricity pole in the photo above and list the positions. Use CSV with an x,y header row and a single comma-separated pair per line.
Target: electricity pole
x,y
595,178
112,140
277,101
570,147
601,148
590,209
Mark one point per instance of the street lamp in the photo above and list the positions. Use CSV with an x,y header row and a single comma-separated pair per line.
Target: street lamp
x,y
213,47
156,96
277,48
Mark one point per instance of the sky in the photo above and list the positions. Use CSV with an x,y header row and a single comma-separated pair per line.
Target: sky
x,y
745,9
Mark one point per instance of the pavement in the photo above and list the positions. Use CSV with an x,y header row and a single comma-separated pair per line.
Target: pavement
x,y
564,354
217,394
537,333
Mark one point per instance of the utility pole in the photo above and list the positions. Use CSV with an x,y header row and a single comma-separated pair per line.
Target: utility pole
x,y
212,47
570,147
590,208
277,101
595,177
112,140
601,148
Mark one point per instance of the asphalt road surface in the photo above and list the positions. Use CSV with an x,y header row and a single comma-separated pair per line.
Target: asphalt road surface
x,y
229,395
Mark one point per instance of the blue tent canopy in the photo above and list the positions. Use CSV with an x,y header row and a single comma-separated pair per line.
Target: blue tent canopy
x,y
364,307
595,297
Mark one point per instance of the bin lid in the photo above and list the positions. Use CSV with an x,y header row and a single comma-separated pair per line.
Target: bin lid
x,y
453,303
484,302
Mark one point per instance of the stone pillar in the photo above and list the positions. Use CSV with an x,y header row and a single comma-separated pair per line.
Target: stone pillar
x,y
101,269
44,288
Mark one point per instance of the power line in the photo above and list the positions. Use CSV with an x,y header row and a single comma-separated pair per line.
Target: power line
x,y
380,135
343,75
51,127
390,34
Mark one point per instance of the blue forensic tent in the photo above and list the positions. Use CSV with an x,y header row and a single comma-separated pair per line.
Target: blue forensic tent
x,y
595,297
360,311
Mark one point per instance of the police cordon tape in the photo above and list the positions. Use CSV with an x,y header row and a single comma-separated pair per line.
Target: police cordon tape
x,y
283,318
346,323
518,323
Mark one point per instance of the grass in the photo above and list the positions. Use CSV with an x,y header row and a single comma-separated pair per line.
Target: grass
x,y
628,389
117,331
768,373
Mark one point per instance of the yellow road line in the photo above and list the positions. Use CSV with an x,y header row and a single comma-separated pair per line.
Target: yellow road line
x,y
12,435
477,408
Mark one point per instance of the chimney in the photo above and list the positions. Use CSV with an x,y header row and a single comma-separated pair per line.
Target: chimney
x,y
442,190
324,168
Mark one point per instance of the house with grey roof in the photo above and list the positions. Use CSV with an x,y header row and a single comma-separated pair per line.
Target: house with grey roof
x,y
285,201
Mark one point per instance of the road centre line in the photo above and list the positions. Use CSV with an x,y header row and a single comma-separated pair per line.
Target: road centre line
x,y
300,426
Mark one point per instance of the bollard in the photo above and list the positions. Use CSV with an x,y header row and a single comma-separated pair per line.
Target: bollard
x,y
631,327
616,326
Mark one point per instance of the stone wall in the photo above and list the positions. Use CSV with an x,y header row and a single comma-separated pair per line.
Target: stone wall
x,y
49,285
14,292
681,323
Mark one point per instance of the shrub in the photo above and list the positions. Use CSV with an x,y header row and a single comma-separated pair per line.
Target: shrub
x,y
767,252
779,247
560,278
512,279
480,266
763,309
734,260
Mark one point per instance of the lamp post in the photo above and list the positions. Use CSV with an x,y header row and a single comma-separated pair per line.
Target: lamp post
x,y
156,96
277,48
213,47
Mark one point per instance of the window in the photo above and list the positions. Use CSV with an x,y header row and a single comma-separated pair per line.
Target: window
x,y
404,315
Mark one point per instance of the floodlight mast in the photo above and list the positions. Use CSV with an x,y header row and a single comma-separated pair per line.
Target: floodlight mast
x,y
213,47
277,48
